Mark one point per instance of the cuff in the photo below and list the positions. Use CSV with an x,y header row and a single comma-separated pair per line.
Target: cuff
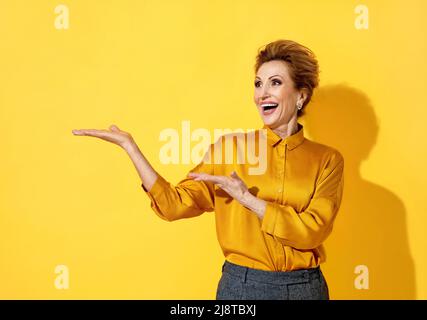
x,y
157,189
269,220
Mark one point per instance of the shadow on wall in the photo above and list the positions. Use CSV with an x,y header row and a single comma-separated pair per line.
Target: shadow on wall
x,y
370,228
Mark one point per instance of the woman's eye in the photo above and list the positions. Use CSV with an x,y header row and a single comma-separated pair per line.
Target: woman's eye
x,y
257,83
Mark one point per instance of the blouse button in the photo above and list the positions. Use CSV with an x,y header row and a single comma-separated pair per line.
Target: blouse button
x,y
279,190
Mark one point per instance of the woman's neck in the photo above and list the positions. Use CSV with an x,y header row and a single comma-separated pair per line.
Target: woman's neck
x,y
287,129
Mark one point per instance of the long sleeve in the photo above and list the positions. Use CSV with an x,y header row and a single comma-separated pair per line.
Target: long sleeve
x,y
186,199
308,229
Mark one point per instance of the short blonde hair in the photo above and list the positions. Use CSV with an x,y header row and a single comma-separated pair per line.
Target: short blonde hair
x,y
302,63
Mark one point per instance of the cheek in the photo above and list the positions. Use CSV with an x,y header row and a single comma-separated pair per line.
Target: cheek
x,y
256,96
286,97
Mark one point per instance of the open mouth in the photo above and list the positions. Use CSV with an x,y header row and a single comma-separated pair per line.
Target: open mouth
x,y
269,108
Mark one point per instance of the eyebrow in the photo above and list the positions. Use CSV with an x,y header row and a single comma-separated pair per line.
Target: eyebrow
x,y
278,75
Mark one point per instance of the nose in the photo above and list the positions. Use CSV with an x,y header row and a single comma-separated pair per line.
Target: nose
x,y
265,93
264,97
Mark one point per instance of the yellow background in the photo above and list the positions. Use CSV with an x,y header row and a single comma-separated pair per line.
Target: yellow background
x,y
149,65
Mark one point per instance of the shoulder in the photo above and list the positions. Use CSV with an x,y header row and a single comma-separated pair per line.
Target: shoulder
x,y
224,139
231,135
228,137
324,153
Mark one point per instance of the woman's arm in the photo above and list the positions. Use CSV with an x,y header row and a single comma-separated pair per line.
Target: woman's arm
x,y
187,199
310,228
145,171
301,230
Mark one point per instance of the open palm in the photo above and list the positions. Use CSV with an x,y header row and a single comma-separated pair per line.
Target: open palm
x,y
114,135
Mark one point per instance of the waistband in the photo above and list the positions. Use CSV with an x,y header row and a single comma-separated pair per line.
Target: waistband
x,y
272,277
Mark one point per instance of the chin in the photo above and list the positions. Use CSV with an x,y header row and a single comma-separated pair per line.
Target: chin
x,y
269,121
272,119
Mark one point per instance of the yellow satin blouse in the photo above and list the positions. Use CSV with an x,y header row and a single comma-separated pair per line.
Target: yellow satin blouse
x,y
302,184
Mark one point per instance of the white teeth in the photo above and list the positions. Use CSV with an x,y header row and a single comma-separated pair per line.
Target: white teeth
x,y
269,105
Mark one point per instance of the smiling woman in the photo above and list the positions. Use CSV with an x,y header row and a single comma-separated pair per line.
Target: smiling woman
x,y
279,255
286,75
270,225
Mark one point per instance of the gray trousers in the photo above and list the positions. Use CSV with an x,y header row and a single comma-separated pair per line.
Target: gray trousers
x,y
242,283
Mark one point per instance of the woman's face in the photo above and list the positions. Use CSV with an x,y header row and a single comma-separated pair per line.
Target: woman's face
x,y
273,85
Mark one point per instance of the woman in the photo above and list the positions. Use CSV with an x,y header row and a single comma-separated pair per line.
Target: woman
x,y
270,226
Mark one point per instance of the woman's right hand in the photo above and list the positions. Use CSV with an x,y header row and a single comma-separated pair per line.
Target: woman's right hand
x,y
124,139
114,135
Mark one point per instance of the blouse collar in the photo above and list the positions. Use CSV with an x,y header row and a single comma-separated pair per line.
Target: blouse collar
x,y
291,141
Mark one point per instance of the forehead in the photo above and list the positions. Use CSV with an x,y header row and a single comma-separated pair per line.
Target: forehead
x,y
273,67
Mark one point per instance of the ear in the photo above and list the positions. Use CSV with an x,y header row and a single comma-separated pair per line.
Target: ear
x,y
302,96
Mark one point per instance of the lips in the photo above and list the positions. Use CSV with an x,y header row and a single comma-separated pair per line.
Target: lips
x,y
268,107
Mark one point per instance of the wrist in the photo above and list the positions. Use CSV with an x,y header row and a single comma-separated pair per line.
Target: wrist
x,y
254,204
247,199
130,146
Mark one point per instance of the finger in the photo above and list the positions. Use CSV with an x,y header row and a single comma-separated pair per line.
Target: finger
x,y
76,132
192,175
199,176
235,176
195,174
84,131
114,128
93,133
207,177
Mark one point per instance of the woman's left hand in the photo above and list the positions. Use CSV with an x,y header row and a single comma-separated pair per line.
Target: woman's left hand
x,y
233,184
236,188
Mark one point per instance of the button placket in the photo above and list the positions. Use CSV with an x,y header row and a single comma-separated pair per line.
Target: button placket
x,y
282,178
279,175
282,249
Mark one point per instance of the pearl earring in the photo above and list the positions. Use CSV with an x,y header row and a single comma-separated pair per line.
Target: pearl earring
x,y
299,106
